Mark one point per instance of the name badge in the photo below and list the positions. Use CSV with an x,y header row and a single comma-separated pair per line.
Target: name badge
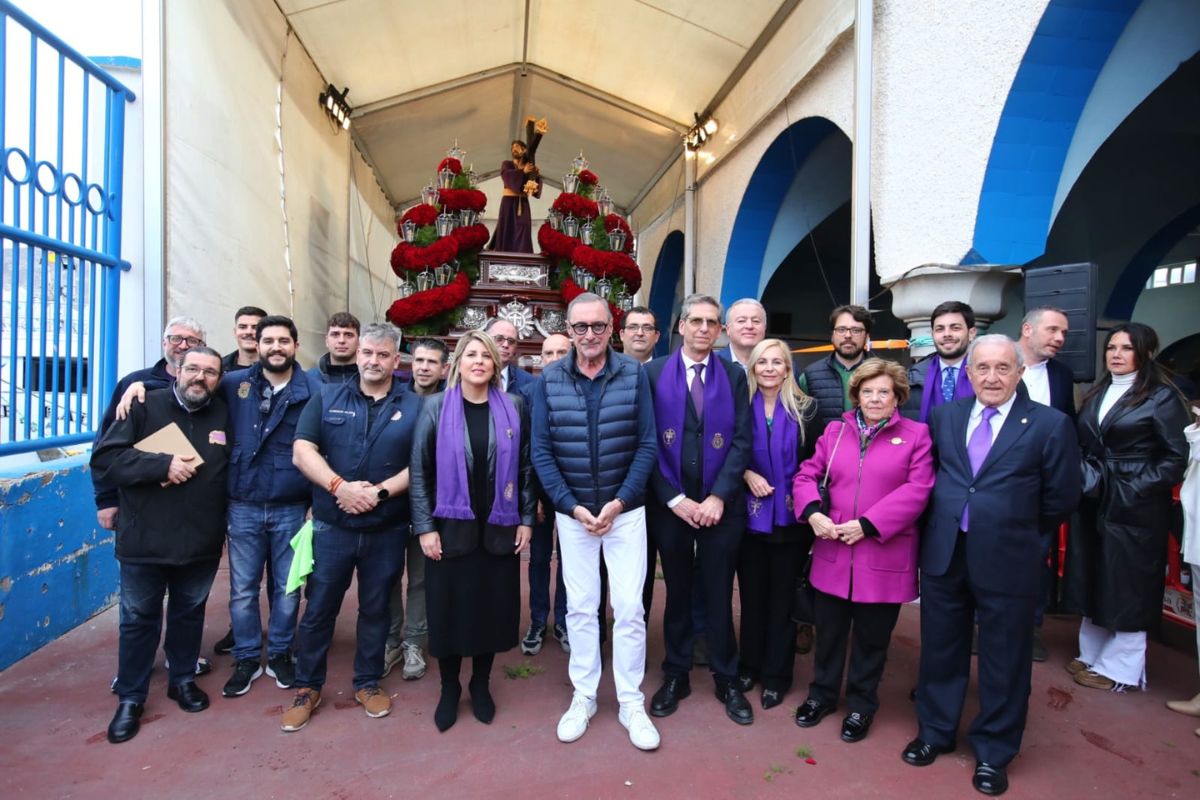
x,y
216,437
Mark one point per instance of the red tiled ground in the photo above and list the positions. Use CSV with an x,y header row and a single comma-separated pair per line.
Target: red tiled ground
x,y
54,707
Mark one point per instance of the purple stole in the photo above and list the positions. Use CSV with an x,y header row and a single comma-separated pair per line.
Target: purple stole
x,y
453,494
773,456
931,395
670,410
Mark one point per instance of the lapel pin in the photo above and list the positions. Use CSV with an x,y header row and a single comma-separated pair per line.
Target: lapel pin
x,y
1024,420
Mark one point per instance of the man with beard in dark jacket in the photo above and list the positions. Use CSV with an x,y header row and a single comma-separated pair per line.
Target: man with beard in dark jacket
x,y
170,528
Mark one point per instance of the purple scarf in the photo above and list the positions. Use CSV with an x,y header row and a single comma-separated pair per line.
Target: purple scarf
x,y
774,457
670,409
931,396
453,495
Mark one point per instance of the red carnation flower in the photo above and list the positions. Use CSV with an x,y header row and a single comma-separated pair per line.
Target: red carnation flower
x,y
421,215
462,199
555,244
588,178
471,237
453,163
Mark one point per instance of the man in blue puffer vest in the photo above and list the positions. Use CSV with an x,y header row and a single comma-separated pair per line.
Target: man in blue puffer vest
x,y
594,469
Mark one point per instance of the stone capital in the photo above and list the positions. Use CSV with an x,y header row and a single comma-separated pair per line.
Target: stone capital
x,y
919,291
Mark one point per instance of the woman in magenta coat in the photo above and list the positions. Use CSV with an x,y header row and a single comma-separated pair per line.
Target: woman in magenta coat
x,y
879,471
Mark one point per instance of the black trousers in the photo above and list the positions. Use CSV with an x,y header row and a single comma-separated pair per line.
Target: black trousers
x,y
707,556
949,605
866,630
766,585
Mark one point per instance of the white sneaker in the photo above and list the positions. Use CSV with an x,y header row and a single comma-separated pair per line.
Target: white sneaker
x,y
414,661
642,732
574,723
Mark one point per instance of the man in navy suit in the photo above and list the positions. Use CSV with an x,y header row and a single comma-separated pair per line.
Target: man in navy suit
x,y
1008,469
697,514
941,377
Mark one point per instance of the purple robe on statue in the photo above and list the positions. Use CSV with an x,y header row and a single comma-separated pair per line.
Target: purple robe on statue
x,y
514,228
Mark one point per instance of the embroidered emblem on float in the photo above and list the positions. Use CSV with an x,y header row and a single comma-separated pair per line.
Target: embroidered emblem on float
x,y
669,437
718,441
244,390
508,490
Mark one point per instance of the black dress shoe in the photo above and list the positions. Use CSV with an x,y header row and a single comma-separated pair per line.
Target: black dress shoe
x,y
125,724
771,698
745,683
224,645
737,707
855,727
667,698
920,753
191,698
812,712
989,780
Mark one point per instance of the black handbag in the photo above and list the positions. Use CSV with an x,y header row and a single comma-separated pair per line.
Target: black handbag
x,y
802,600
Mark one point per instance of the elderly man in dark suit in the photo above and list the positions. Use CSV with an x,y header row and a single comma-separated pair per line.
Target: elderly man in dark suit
x,y
1008,469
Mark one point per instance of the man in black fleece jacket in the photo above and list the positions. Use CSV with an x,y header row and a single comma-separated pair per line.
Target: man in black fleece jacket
x,y
170,529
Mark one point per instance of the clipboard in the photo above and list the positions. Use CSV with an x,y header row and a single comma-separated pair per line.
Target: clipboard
x,y
169,440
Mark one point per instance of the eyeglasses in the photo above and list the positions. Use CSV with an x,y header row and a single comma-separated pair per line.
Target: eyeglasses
x,y
703,322
508,340
582,328
641,328
844,331
208,372
192,341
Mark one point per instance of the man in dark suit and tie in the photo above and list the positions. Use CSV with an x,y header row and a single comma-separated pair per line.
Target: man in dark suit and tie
x,y
512,377
697,516
1046,381
941,377
1008,469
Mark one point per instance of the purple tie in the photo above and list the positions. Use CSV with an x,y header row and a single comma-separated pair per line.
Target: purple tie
x,y
977,449
698,390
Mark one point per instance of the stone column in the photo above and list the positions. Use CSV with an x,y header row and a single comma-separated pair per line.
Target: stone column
x,y
982,287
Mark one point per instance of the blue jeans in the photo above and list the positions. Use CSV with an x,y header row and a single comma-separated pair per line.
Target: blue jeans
x,y
541,546
261,534
142,590
378,557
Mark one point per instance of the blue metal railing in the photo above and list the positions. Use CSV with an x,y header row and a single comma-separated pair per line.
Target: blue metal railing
x,y
62,136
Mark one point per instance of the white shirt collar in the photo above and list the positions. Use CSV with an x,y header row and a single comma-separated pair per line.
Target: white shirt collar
x,y
688,363
977,409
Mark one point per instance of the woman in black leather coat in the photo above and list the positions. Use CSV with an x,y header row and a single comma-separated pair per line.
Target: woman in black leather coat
x,y
473,506
1134,452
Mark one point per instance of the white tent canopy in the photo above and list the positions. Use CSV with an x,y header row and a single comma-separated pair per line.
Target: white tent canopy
x,y
620,80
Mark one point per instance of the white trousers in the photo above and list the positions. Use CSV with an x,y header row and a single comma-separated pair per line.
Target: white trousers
x,y
1117,655
1195,568
624,551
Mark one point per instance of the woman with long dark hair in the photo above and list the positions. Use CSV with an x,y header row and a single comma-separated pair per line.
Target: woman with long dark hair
x,y
1134,452
472,507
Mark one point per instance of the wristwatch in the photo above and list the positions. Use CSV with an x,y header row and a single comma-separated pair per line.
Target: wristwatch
x,y
383,493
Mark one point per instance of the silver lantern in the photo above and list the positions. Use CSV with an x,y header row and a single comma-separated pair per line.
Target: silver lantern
x,y
445,224
425,280
469,217
442,274
616,239
446,178
408,229
555,219
404,288
604,288
570,182
583,279
585,234
571,226
429,195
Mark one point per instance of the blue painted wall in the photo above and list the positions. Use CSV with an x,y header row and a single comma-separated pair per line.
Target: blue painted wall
x,y
1065,56
57,567
666,289
760,205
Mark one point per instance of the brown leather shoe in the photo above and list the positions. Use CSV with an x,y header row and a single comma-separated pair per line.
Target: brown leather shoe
x,y
303,706
1094,680
1189,707
1075,666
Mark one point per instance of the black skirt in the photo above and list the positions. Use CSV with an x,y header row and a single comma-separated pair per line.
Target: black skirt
x,y
473,604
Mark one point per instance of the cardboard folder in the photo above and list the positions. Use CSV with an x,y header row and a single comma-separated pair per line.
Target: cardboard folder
x,y
169,440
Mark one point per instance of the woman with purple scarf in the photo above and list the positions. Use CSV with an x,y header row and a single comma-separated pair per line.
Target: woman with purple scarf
x,y
877,468
781,417
473,506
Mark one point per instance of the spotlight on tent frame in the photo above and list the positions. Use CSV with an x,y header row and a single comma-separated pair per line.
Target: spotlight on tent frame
x,y
335,105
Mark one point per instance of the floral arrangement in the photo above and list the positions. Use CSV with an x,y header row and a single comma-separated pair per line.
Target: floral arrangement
x,y
580,240
426,257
